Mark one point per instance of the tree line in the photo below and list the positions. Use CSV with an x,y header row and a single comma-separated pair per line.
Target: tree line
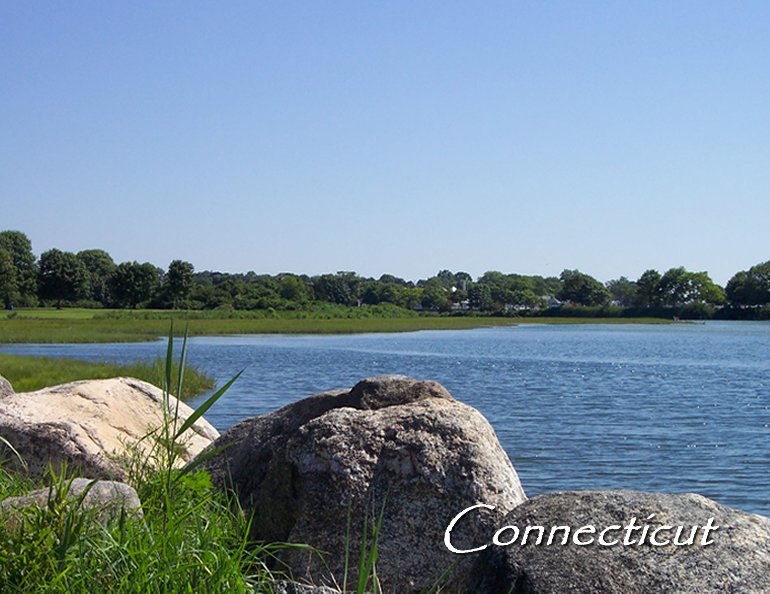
x,y
91,278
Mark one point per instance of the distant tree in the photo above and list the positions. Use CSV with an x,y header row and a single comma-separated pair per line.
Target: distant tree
x,y
435,296
623,291
100,267
371,292
751,287
506,290
446,278
389,279
133,283
9,290
492,277
463,276
342,288
393,293
582,289
62,277
293,288
496,295
705,290
19,247
480,296
679,287
546,286
178,282
648,289
674,287
407,296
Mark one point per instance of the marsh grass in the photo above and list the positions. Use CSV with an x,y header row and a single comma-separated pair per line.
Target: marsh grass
x,y
32,373
74,325
149,326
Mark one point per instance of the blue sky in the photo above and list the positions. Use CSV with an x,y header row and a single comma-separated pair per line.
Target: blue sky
x,y
398,137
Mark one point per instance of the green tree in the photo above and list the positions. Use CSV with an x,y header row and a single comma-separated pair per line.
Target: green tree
x,y
480,296
674,287
293,288
100,267
178,282
546,287
648,289
751,287
133,283
679,287
19,247
705,290
623,291
435,296
582,289
62,277
9,290
342,288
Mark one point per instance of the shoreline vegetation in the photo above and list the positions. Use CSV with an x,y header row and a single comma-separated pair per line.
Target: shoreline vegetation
x,y
29,373
92,279
78,325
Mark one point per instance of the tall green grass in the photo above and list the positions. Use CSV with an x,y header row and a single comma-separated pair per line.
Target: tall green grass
x,y
190,540
32,373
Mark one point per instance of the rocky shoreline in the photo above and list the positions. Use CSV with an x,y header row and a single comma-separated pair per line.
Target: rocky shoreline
x,y
404,459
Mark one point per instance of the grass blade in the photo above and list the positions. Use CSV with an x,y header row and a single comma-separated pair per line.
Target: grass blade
x,y
180,376
201,410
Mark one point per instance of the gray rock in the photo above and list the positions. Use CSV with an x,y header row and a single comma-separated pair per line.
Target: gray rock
x,y
737,560
89,424
6,389
105,499
285,587
391,445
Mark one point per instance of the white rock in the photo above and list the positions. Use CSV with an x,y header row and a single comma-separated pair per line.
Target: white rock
x,y
88,423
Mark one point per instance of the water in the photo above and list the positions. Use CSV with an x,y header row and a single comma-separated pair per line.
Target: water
x,y
679,408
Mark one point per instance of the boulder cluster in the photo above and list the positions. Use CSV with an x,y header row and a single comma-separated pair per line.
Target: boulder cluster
x,y
398,462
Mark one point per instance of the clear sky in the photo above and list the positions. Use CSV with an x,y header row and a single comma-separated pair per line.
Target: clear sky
x,y
398,137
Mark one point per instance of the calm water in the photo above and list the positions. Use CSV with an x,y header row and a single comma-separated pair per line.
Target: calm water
x,y
680,408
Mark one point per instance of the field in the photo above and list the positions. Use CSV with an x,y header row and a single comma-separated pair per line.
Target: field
x,y
101,326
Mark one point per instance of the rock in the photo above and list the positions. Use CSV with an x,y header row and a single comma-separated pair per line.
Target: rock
x,y
737,560
6,389
88,424
284,587
391,445
106,499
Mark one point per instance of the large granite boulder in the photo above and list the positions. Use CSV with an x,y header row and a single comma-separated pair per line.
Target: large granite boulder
x,y
89,424
105,499
735,557
390,447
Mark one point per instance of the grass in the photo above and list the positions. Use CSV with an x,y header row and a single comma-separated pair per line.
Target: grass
x,y
103,326
32,373
189,541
